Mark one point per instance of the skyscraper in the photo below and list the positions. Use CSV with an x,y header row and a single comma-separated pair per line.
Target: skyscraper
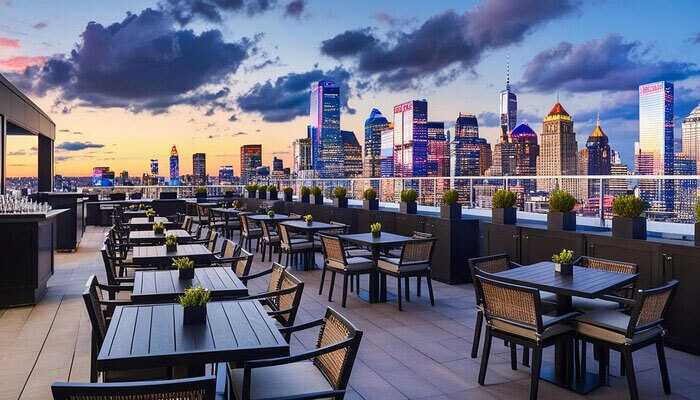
x,y
470,157
526,150
656,142
598,158
438,150
301,156
411,138
558,150
508,106
174,167
154,167
386,163
690,135
324,129
582,193
251,159
199,168
226,175
685,190
374,125
352,155
277,164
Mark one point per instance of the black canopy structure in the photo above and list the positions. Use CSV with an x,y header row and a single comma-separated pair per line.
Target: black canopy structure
x,y
21,116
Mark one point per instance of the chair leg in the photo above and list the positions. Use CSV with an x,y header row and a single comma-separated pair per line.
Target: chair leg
x,y
526,356
357,283
330,290
513,357
345,289
262,256
279,257
286,260
352,283
407,289
418,279
93,358
631,376
399,294
661,354
485,356
535,372
477,333
269,258
430,289
323,279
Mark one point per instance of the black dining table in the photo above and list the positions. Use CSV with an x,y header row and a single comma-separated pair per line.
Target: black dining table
x,y
584,282
274,218
377,289
149,237
154,335
159,255
142,223
310,230
152,286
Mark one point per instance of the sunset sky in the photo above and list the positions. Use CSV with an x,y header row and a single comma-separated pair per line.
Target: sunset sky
x,y
125,80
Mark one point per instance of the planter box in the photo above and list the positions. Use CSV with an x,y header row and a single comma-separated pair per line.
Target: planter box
x,y
262,195
629,228
370,204
170,249
201,199
158,231
194,315
273,196
251,195
564,269
341,203
451,211
151,219
504,216
288,197
318,200
408,208
697,233
186,274
561,221
305,198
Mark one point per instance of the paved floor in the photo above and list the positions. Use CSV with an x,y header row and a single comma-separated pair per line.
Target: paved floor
x,y
420,353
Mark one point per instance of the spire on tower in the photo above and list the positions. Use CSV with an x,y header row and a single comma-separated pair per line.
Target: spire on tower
x,y
597,119
508,72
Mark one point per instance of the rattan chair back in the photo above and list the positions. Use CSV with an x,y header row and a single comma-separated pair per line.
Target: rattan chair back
x,y
289,302
187,223
201,388
417,251
92,297
213,235
516,305
265,230
337,365
285,241
273,284
650,307
333,249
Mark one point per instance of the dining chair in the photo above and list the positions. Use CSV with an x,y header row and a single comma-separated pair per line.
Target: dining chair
x,y
415,235
186,223
249,233
415,260
202,215
270,240
293,247
112,275
323,372
627,333
119,257
283,300
610,301
514,313
336,261
200,388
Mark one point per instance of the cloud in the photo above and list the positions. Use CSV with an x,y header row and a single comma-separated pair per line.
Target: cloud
x,y
17,153
392,20
240,133
142,63
607,64
233,118
77,146
40,25
21,63
295,8
444,41
287,97
489,119
64,130
184,11
696,39
9,43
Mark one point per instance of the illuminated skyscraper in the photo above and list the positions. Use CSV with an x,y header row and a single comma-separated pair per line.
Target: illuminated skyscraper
x,y
386,163
656,143
690,135
470,155
352,155
508,106
598,158
154,167
251,160
411,138
438,150
374,125
226,175
526,150
174,167
301,155
558,150
199,168
324,129
685,190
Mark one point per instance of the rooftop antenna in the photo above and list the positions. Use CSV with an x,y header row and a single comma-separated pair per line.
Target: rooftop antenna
x,y
508,72
597,119
557,95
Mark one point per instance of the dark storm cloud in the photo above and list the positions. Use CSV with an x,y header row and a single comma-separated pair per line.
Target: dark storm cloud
x,y
142,63
295,8
184,11
287,97
77,146
445,40
609,64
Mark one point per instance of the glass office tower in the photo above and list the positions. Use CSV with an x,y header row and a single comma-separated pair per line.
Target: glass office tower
x,y
324,129
199,168
411,139
251,160
174,167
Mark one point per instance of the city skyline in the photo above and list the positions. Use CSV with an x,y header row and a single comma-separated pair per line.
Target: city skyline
x,y
220,110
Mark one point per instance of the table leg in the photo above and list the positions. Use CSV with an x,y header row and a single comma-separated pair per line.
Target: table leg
x,y
374,296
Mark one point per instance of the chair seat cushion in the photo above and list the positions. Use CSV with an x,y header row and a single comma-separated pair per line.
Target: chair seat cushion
x,y
552,331
253,232
136,375
298,244
272,239
391,264
611,326
585,304
353,264
288,380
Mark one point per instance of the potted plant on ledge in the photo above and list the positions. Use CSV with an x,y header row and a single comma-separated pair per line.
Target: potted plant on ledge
x,y
194,305
340,199
288,193
158,228
251,189
185,268
151,215
560,217
503,209
170,243
262,192
408,201
370,201
450,208
376,229
200,194
628,222
305,194
272,189
564,262
316,195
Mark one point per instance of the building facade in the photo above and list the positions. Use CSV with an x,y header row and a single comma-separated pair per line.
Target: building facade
x,y
690,135
174,167
154,167
301,156
352,155
251,160
558,150
411,139
685,190
226,176
374,125
324,129
526,150
199,168
599,159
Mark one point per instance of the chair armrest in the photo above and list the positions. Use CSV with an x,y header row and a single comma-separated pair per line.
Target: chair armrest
x,y
116,302
561,318
267,295
301,327
618,299
115,288
297,357
248,277
515,265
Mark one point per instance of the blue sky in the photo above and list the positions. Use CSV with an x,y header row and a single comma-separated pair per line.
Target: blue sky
x,y
203,80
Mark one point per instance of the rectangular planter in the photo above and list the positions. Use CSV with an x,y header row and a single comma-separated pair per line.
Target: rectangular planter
x,y
318,200
305,198
561,221
288,197
504,216
451,211
408,208
194,315
251,195
629,228
262,195
697,233
341,203
370,204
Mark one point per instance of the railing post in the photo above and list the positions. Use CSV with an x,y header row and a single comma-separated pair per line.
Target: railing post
x,y
471,193
601,207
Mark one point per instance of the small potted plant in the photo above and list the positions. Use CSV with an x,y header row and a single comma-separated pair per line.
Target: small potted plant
x,y
628,222
560,217
194,305
697,224
408,201
200,194
305,194
151,215
271,213
376,229
564,262
272,189
451,209
251,189
503,209
185,267
262,192
288,193
237,204
309,219
158,228
370,201
317,195
170,243
340,199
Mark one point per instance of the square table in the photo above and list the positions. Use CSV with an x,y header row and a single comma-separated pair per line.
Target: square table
x,y
158,255
142,223
154,335
386,239
310,230
584,282
149,237
275,218
165,286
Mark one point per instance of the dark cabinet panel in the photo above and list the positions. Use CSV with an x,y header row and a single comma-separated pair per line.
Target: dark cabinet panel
x,y
540,244
502,239
406,224
643,253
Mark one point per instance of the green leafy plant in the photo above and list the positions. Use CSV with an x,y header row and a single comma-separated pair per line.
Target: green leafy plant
x,y
237,204
158,227
308,218
271,213
375,227
370,194
340,192
503,199
251,188
272,189
305,191
450,197
200,190
150,213
628,206
171,241
697,210
194,297
564,257
288,190
561,201
409,195
183,263
316,191
262,189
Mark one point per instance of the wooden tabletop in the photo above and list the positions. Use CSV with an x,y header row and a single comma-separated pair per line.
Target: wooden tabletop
x,y
223,210
160,255
145,221
148,236
385,239
315,225
149,336
165,286
584,282
276,217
